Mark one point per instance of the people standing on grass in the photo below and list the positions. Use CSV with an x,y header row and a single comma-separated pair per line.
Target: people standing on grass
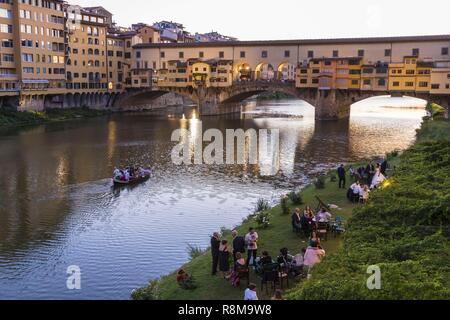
x,y
251,240
215,246
239,265
238,244
224,259
313,256
342,176
297,220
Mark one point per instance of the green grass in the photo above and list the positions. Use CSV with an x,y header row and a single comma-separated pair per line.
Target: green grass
x,y
272,239
17,119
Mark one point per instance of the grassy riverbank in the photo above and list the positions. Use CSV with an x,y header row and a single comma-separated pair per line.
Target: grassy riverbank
x,y
278,235
18,119
404,230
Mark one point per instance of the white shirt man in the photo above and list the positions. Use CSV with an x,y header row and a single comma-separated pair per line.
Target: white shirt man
x,y
251,239
356,188
250,295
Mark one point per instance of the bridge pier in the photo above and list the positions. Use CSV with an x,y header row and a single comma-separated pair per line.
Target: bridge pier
x,y
332,105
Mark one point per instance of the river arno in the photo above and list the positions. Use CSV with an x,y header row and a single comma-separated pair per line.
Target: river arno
x,y
57,207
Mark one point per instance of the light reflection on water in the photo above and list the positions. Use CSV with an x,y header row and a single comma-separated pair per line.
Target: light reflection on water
x,y
57,208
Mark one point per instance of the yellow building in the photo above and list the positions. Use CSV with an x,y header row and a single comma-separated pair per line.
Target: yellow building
x,y
32,48
423,76
221,73
87,68
402,76
354,73
201,74
440,78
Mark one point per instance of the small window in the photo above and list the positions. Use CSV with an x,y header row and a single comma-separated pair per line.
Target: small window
x,y
415,52
201,54
310,54
163,54
264,54
181,55
287,53
444,51
221,54
242,54
361,53
335,53
387,52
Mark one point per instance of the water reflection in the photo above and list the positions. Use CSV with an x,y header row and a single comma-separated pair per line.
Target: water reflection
x,y
57,207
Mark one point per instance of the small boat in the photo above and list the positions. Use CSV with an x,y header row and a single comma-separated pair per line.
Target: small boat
x,y
134,180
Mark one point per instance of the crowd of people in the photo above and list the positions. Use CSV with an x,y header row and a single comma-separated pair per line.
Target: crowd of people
x,y
307,221
236,259
229,260
364,180
130,173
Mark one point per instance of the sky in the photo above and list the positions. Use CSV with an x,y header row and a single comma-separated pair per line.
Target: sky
x,y
288,19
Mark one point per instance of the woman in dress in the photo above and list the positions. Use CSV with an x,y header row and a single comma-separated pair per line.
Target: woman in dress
x,y
224,259
240,264
378,178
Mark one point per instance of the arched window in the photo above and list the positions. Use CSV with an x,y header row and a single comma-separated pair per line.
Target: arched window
x,y
90,51
89,31
95,31
97,63
90,63
97,52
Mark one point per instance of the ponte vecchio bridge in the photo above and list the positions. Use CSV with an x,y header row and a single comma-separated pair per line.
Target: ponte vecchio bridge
x,y
331,74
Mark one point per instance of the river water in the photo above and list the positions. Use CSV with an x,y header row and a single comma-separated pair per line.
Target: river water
x,y
57,207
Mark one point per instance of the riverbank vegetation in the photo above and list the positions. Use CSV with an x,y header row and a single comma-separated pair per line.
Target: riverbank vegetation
x,y
404,230
275,232
17,119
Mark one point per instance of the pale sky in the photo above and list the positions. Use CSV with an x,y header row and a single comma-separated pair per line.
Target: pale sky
x,y
288,19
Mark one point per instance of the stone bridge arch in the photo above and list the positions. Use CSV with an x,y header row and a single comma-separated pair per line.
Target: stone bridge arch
x,y
142,97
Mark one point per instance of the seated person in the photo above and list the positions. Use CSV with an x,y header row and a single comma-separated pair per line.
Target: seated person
x,y
285,259
262,261
185,281
356,187
323,216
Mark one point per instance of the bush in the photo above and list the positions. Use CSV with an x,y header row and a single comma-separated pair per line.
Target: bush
x,y
263,219
435,110
195,251
320,182
285,205
296,198
262,205
150,292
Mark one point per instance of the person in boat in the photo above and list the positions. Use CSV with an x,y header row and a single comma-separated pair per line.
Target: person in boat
x,y
117,173
127,175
